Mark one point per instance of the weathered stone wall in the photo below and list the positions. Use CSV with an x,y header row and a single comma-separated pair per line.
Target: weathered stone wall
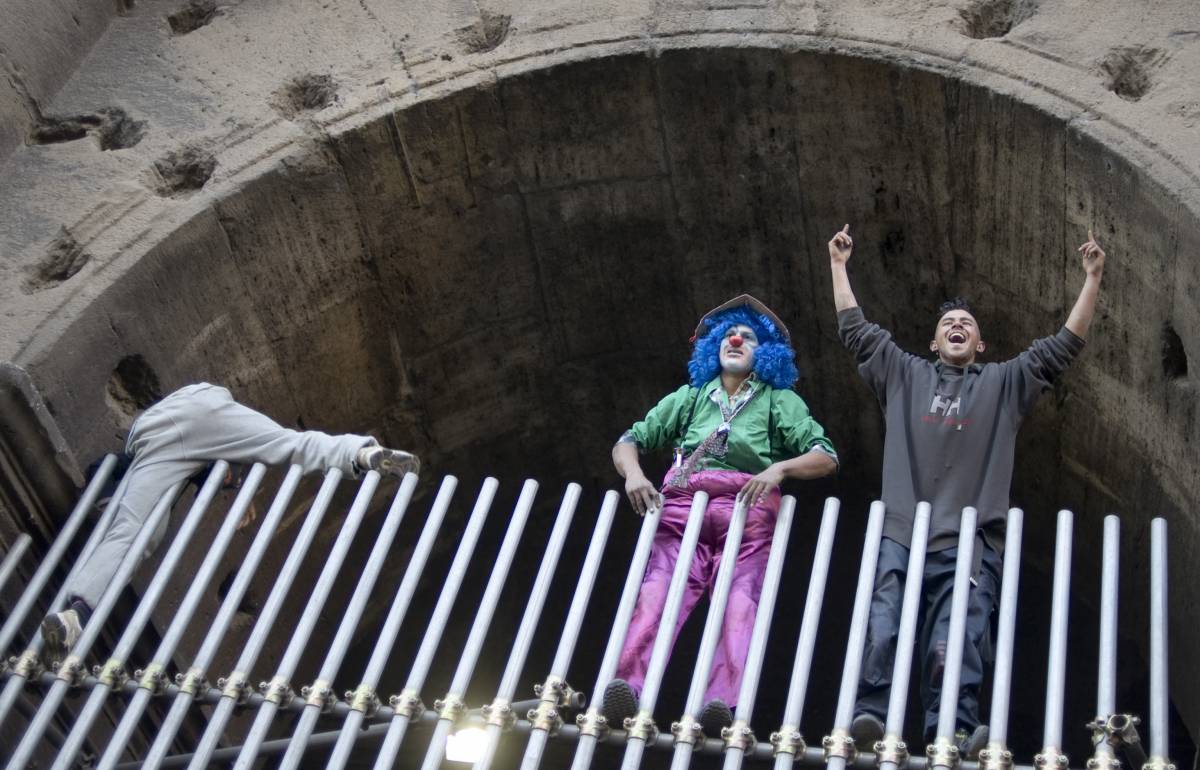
x,y
487,237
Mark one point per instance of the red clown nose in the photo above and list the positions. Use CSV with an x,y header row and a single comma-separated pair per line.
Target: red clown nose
x,y
736,340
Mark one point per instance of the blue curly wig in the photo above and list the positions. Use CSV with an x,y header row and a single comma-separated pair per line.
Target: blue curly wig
x,y
774,359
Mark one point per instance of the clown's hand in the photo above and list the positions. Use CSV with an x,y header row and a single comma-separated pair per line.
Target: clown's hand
x,y
643,495
760,486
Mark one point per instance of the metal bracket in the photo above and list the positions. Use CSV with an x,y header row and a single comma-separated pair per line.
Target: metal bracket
x,y
839,744
555,690
153,678
193,682
451,708
278,691
72,671
235,686
891,749
28,665
364,699
593,723
1158,763
1118,730
1050,758
319,694
943,753
407,704
112,674
997,757
1103,761
546,717
499,713
787,740
687,730
641,726
740,736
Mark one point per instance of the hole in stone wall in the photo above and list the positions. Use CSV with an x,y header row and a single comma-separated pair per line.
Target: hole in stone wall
x,y
184,171
307,93
133,386
192,16
1127,71
125,6
114,129
994,18
64,258
486,34
1174,357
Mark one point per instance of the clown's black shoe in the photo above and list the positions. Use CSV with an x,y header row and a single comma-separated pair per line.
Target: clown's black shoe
x,y
620,701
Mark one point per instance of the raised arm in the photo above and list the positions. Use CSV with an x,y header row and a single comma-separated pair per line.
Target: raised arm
x,y
1080,319
840,247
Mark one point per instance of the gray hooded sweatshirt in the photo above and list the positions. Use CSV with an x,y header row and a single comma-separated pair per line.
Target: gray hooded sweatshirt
x,y
951,430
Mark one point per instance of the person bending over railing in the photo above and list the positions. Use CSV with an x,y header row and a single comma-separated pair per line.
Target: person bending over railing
x,y
178,438
738,431
951,428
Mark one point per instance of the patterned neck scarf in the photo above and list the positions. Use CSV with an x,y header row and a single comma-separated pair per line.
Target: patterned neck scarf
x,y
716,444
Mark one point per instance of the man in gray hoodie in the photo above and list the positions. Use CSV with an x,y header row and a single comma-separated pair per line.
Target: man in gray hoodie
x,y
951,427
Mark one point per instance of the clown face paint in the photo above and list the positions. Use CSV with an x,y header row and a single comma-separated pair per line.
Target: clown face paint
x,y
737,350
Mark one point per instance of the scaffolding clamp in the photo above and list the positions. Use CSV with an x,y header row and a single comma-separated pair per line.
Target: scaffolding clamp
x,y
112,674
407,704
193,682
319,694
739,736
546,717
891,749
72,671
364,699
996,757
278,691
787,740
593,723
641,726
153,678
1158,763
1118,730
1050,758
499,713
944,753
235,686
450,708
839,744
555,690
687,730
28,665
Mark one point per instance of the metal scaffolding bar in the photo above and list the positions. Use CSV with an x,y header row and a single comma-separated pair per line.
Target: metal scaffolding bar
x,y
193,682
593,726
1106,675
115,669
997,756
740,738
1056,674
641,728
407,705
1160,746
363,700
451,706
687,729
944,752
12,558
235,686
319,696
555,694
787,742
73,667
499,714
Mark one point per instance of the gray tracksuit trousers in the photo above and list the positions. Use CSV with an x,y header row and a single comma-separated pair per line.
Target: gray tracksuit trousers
x,y
178,437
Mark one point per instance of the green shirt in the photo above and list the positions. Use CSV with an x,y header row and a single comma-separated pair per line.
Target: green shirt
x,y
775,426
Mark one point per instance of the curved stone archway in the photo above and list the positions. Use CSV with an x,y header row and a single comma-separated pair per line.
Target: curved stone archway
x,y
503,270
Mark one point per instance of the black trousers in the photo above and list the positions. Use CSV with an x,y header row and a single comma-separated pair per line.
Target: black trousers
x,y
883,626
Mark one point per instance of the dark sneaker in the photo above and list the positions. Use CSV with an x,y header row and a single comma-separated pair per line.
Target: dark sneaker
x,y
620,701
395,462
969,745
60,631
714,716
866,730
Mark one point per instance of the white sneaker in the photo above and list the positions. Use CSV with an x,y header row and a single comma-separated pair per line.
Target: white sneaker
x,y
395,462
60,631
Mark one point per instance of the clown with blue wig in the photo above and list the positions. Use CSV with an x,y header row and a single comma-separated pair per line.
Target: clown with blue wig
x,y
738,430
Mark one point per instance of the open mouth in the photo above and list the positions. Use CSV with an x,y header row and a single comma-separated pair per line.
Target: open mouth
x,y
957,338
